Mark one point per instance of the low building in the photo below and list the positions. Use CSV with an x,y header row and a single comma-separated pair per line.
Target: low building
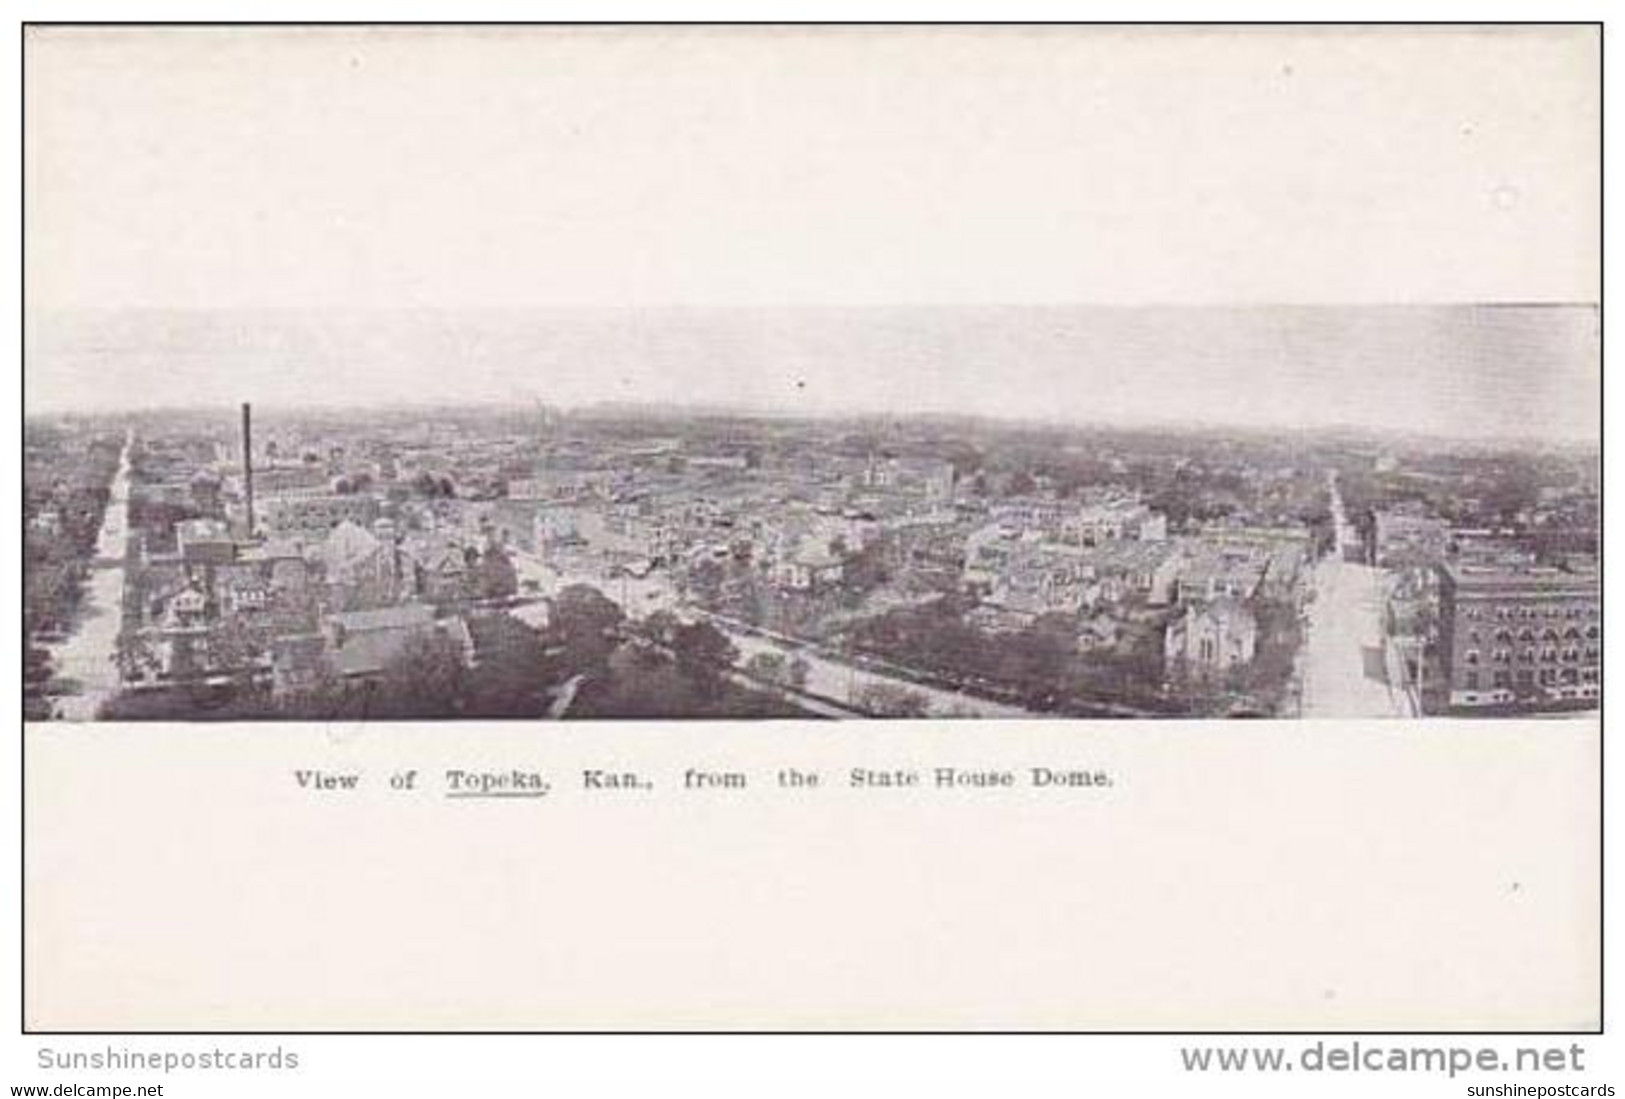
x,y
556,525
510,523
812,565
1285,551
281,563
298,663
1407,536
205,542
1213,572
1099,633
722,463
1135,569
47,522
1112,520
1041,578
290,479
314,517
564,485
179,636
242,590
361,644
988,552
930,478
436,568
360,569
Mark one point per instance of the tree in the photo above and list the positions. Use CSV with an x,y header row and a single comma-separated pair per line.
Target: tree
x,y
768,667
661,626
1039,656
586,622
703,652
428,485
798,672
36,665
1507,500
865,570
640,682
236,648
327,697
425,679
1021,483
704,581
497,577
137,659
643,681
889,700
510,678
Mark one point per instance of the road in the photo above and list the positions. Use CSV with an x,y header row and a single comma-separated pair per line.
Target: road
x,y
87,656
827,676
1344,671
844,682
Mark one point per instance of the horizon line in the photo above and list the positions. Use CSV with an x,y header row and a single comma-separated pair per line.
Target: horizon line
x,y
702,409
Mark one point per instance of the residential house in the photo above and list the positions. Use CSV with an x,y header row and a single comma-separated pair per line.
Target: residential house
x,y
812,565
359,569
361,644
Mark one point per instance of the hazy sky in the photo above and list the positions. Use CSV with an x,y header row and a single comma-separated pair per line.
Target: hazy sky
x,y
644,213
1462,370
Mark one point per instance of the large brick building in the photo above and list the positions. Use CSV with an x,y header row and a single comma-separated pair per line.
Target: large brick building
x,y
1520,636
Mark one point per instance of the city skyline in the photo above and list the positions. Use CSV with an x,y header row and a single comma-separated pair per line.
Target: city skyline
x,y
1515,372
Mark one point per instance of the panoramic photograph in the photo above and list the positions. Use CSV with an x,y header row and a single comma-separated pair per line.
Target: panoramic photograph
x,y
1090,512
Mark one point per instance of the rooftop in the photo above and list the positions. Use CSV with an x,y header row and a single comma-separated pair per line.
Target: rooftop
x,y
1506,576
404,616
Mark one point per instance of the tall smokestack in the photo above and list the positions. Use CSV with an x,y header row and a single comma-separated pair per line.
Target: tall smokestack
x,y
248,464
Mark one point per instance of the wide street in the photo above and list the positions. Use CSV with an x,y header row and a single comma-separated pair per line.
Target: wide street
x,y
844,681
1344,674
86,657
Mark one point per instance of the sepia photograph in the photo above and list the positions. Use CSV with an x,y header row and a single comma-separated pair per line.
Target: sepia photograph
x,y
1043,511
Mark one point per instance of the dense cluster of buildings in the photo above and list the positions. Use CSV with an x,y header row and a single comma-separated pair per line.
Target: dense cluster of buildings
x,y
276,578
311,552
1109,560
1508,628
324,549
